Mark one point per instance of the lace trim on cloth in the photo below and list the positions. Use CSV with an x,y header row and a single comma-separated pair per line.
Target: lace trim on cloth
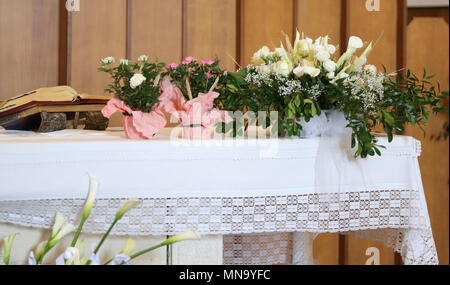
x,y
395,217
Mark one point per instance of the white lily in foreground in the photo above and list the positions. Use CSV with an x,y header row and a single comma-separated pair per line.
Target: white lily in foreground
x,y
92,194
187,235
7,245
90,200
127,206
60,229
129,247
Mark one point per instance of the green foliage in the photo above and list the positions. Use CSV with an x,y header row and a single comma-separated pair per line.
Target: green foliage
x,y
406,100
143,97
201,75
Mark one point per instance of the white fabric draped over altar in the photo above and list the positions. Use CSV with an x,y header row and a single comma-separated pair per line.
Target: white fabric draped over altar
x,y
239,188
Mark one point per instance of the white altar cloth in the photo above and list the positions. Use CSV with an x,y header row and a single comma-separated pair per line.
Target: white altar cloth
x,y
229,188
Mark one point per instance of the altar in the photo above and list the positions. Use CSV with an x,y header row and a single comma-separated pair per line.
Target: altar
x,y
253,200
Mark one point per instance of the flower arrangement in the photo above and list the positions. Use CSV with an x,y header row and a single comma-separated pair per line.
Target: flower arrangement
x,y
301,80
189,90
136,89
143,91
74,255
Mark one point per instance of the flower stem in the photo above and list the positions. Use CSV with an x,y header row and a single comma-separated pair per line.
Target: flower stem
x,y
103,239
77,235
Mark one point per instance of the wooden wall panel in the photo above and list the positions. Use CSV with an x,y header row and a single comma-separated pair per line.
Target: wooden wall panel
x,y
28,45
318,18
156,29
372,26
211,30
264,20
430,39
98,30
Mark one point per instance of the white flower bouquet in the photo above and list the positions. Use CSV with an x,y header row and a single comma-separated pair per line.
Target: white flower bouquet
x,y
302,79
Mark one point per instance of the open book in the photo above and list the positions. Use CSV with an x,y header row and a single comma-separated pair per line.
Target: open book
x,y
22,112
60,95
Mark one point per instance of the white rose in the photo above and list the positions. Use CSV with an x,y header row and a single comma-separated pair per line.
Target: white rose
x,y
309,40
137,80
329,66
124,61
282,67
322,55
143,58
372,69
355,42
108,60
265,69
331,75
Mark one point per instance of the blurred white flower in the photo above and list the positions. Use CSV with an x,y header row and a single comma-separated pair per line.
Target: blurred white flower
x,y
329,66
282,67
71,256
143,58
264,69
108,60
257,58
137,80
372,69
355,42
312,71
32,259
322,55
121,259
298,71
95,259
124,61
342,75
302,48
331,75
331,49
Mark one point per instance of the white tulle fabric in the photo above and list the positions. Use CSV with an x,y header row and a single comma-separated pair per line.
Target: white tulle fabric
x,y
268,210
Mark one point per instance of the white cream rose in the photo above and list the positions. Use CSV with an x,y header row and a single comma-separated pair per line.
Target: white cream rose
x,y
329,66
137,80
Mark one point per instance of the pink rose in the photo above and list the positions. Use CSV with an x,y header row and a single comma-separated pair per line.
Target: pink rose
x,y
207,62
208,75
188,60
225,73
172,66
